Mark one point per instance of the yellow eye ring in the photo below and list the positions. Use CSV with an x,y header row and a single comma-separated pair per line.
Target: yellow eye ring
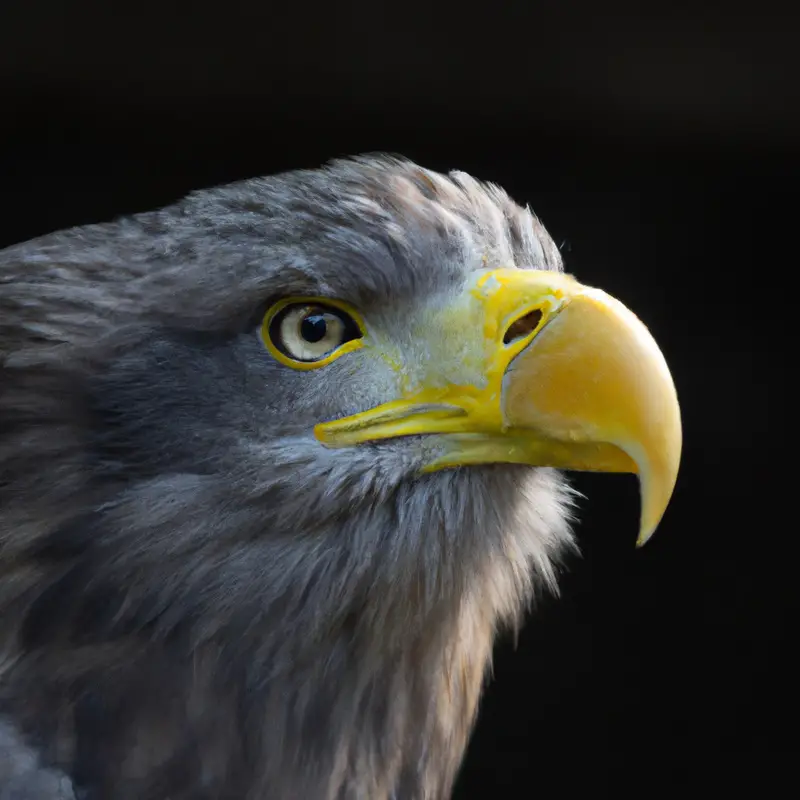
x,y
331,328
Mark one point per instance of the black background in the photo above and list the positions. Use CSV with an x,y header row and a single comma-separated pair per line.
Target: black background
x,y
659,144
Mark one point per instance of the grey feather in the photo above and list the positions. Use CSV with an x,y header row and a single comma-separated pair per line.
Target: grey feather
x,y
200,601
23,777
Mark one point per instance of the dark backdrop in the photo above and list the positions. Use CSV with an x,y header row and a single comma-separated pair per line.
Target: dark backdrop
x,y
658,142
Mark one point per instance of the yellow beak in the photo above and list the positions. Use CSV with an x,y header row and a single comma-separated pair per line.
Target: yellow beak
x,y
531,367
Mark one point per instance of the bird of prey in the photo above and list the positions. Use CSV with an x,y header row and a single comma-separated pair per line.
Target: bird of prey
x,y
276,464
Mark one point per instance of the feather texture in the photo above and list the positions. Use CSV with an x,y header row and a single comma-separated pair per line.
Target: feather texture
x,y
197,600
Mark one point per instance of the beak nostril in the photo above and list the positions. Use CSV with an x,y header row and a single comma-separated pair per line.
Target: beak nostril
x,y
523,326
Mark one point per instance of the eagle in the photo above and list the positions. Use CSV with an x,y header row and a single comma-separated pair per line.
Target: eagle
x,y
278,462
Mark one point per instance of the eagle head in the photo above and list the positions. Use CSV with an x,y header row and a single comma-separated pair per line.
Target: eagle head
x,y
277,463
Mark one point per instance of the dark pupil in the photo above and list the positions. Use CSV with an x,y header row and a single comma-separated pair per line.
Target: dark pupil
x,y
313,328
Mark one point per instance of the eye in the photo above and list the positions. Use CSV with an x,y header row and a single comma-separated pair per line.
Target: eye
x,y
307,333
